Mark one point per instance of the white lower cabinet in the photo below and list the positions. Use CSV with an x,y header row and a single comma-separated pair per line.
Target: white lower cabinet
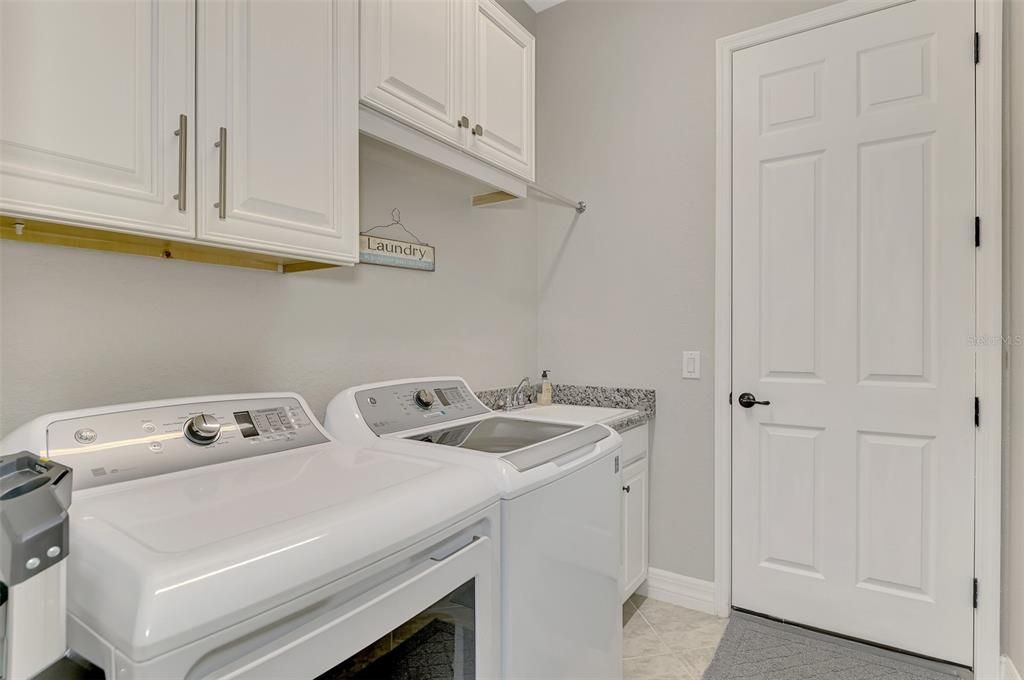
x,y
635,483
635,502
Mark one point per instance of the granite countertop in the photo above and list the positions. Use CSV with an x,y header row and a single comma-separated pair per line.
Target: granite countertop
x,y
640,403
628,422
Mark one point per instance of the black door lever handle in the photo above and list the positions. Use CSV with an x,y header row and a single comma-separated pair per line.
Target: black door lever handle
x,y
748,400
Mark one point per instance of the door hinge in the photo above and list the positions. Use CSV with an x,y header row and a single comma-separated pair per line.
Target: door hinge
x,y
977,47
977,232
975,593
977,412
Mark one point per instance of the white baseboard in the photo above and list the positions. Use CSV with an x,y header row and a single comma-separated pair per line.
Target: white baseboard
x,y
694,593
685,591
1009,670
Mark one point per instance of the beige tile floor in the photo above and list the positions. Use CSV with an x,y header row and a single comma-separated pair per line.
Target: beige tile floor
x,y
661,641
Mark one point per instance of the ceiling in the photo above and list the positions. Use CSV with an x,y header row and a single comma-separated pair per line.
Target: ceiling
x,y
541,5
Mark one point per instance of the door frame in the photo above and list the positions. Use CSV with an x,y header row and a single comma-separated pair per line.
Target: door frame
x,y
988,301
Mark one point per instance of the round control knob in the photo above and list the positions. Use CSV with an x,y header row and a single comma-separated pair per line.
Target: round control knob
x,y
424,398
202,429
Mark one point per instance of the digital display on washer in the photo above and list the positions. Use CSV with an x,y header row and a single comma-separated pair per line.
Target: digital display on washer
x,y
449,395
245,424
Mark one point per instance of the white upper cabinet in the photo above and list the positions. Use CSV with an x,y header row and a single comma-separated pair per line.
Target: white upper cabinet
x,y
461,71
277,126
412,62
93,93
501,86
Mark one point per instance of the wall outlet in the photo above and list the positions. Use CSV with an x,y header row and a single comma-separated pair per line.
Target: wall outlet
x,y
691,365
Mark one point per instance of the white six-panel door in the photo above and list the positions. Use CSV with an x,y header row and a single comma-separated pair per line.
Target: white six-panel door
x,y
281,79
413,62
501,88
853,289
93,93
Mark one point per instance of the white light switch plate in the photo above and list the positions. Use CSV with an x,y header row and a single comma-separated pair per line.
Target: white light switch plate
x,y
691,365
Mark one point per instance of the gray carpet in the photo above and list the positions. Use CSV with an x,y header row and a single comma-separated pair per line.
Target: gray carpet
x,y
758,649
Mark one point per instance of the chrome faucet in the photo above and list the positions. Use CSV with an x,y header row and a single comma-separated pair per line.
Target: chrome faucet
x,y
517,397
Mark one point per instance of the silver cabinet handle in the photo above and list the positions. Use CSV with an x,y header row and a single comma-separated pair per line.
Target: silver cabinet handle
x,y
464,122
222,187
478,130
182,134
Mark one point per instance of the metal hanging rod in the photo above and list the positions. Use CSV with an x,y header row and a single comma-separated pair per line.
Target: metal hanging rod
x,y
579,206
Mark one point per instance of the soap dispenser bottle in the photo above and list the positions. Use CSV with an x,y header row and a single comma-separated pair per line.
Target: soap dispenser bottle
x,y
545,389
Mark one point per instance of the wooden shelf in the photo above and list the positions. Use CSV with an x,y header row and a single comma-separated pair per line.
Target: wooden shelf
x,y
70,236
493,197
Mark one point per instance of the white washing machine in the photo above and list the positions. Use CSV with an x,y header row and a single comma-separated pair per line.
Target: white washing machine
x,y
561,495
230,537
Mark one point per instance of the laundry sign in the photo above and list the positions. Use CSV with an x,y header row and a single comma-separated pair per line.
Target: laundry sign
x,y
392,253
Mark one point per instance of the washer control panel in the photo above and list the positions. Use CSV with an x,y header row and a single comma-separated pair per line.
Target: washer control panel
x,y
117,446
397,408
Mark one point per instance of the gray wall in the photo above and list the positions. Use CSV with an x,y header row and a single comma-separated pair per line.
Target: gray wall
x,y
522,13
1013,521
84,328
626,121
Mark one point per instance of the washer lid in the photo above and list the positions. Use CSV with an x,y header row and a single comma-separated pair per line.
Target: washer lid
x,y
164,561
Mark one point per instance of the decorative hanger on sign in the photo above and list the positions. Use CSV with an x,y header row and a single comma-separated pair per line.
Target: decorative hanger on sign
x,y
396,221
394,253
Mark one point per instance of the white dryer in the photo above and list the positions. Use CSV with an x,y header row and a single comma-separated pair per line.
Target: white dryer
x,y
230,537
561,520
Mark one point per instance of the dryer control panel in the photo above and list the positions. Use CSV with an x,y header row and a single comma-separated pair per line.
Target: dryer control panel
x,y
120,445
407,406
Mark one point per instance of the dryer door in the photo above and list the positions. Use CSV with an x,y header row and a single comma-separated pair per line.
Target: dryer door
x,y
441,613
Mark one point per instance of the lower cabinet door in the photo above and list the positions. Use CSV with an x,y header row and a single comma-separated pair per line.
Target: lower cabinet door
x,y
278,127
635,482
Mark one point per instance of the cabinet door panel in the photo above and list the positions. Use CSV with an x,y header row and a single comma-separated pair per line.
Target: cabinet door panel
x,y
92,94
280,77
635,523
502,90
412,62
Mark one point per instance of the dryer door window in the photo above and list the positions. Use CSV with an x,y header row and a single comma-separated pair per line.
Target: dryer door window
x,y
437,643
